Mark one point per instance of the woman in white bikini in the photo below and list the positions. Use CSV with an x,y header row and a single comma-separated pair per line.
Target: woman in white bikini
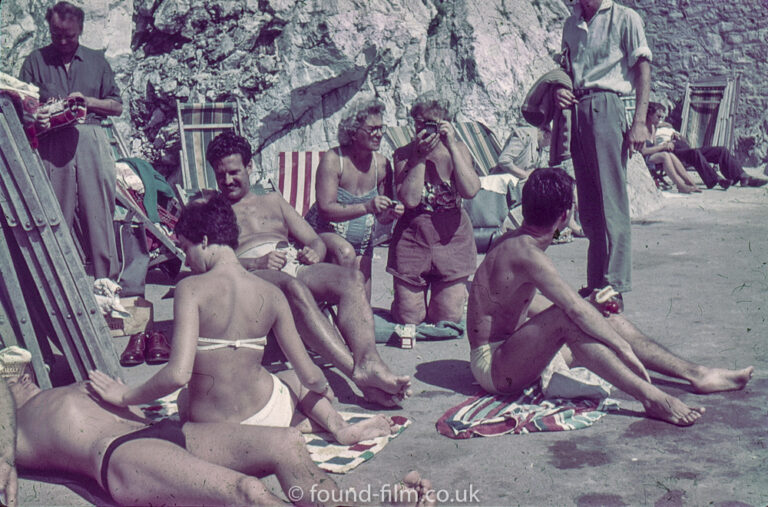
x,y
221,319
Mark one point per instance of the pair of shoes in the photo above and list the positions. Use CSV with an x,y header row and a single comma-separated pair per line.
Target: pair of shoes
x,y
585,292
149,346
751,181
724,184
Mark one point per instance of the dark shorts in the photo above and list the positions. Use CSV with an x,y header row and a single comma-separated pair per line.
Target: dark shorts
x,y
432,247
164,430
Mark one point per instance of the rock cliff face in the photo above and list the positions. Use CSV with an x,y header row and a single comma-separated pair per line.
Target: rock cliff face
x,y
294,64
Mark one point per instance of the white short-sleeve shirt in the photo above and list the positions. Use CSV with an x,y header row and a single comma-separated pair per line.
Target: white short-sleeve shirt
x,y
603,50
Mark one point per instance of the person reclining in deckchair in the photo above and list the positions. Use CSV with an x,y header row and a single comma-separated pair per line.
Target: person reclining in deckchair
x,y
512,340
65,429
266,224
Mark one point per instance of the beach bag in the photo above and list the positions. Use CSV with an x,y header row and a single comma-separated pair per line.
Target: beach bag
x,y
133,256
490,206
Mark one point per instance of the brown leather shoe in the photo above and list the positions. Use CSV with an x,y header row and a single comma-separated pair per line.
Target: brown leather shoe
x,y
158,350
134,351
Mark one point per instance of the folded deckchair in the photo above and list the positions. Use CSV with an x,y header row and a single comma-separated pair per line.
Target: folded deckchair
x,y
709,108
199,123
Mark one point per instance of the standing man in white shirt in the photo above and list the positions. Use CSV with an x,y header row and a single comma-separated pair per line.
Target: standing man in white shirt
x,y
608,56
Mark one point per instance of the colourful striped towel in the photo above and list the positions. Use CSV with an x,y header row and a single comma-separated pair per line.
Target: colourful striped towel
x,y
328,455
488,415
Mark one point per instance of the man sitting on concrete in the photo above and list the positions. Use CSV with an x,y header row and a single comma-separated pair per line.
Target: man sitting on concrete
x,y
65,429
512,340
266,223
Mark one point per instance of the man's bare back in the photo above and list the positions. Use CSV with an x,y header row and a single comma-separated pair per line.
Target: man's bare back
x,y
62,443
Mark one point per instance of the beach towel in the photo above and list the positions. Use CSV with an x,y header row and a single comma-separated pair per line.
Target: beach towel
x,y
327,454
384,326
488,415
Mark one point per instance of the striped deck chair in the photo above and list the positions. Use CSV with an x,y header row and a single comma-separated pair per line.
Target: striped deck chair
x,y
398,136
709,109
199,123
482,144
296,177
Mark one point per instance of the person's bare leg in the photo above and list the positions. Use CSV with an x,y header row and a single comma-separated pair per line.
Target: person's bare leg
x,y
410,303
446,301
665,160
657,358
344,287
316,331
522,358
259,451
364,264
680,169
320,410
339,250
157,472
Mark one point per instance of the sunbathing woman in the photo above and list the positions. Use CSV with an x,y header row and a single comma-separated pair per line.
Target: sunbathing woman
x,y
354,190
662,153
221,320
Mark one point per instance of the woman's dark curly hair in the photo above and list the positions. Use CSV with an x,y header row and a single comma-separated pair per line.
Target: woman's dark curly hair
x,y
212,217
226,144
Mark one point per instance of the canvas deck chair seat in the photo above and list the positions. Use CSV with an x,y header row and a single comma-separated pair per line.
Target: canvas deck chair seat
x,y
709,110
160,240
199,123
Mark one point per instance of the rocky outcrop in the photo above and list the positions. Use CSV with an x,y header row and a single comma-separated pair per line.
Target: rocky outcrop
x,y
294,64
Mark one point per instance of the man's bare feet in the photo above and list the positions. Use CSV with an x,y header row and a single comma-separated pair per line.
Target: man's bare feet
x,y
715,380
413,490
374,373
376,426
669,409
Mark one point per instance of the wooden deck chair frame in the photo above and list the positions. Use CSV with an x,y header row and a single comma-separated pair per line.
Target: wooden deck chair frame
x,y
709,110
199,123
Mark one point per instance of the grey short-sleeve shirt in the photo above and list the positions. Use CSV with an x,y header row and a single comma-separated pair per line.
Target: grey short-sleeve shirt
x,y
89,73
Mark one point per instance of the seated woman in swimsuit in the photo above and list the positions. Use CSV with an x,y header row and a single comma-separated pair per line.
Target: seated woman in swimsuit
x,y
433,247
354,190
221,319
662,153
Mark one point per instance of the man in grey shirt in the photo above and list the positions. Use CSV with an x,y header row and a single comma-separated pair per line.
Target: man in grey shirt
x,y
77,157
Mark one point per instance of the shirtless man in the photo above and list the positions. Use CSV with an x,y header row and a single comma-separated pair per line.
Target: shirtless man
x,y
510,346
266,224
66,429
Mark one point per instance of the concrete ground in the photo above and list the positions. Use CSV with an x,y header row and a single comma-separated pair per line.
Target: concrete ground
x,y
700,269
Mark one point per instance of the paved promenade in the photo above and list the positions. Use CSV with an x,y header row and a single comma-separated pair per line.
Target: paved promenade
x,y
700,288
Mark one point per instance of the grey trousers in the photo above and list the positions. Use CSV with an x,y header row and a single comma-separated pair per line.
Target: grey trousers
x,y
82,173
600,156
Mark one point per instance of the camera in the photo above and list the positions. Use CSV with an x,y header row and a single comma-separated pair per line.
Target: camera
x,y
431,127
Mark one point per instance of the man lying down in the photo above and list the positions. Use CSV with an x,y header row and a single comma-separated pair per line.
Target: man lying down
x,y
66,429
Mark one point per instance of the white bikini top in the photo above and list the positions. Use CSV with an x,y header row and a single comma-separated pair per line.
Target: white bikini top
x,y
217,343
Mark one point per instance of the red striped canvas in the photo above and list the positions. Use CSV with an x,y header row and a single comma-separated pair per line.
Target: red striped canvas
x,y
296,178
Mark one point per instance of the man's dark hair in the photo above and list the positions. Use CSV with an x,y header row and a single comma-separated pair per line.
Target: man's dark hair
x,y
212,217
655,106
547,193
63,10
226,144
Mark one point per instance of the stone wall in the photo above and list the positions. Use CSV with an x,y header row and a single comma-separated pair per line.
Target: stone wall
x,y
697,39
294,64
